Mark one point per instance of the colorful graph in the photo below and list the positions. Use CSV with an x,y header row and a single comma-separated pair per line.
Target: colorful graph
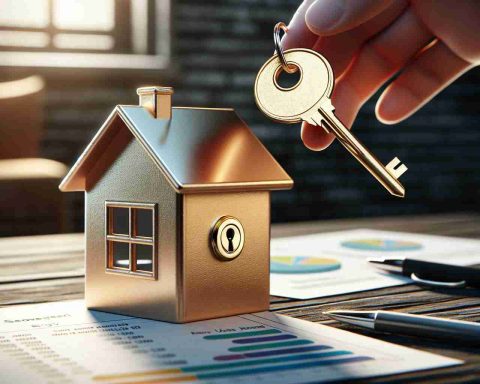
x,y
265,351
383,245
302,264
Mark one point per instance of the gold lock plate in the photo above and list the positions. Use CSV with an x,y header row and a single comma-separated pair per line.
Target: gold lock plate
x,y
227,238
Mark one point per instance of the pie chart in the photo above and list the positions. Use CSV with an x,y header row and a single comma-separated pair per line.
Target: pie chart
x,y
383,245
302,264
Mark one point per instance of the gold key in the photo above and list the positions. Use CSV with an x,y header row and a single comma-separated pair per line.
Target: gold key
x,y
309,100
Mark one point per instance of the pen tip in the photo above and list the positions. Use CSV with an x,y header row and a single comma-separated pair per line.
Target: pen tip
x,y
376,260
365,319
389,264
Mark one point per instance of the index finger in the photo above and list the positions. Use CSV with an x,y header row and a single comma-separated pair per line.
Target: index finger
x,y
329,17
299,35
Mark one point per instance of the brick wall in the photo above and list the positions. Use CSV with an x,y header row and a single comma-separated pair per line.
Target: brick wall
x,y
219,46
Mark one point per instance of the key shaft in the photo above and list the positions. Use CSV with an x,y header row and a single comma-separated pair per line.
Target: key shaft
x,y
333,125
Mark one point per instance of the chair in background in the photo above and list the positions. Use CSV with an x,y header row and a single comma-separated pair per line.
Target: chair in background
x,y
30,202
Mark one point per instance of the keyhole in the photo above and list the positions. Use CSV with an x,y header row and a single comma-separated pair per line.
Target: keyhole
x,y
230,235
227,238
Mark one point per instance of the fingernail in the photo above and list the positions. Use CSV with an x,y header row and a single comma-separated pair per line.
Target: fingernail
x,y
324,15
389,108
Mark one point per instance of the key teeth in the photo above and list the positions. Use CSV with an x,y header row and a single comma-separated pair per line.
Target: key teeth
x,y
395,170
316,120
310,119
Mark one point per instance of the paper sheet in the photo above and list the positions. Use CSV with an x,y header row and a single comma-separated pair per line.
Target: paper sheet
x,y
64,343
352,248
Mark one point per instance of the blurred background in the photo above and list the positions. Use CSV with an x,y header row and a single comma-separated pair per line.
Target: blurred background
x,y
64,65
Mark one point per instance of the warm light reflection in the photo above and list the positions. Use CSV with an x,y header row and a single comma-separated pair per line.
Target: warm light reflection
x,y
84,14
220,155
22,87
139,11
33,168
229,155
25,39
85,33
74,41
24,13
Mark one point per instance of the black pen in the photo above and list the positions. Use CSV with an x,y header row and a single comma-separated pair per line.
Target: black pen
x,y
426,272
415,325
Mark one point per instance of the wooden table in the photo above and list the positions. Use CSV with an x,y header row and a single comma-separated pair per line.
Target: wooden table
x,y
50,268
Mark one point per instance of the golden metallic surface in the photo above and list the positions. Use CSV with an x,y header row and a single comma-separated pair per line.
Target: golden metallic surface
x,y
155,90
112,138
227,238
198,150
211,287
290,105
192,283
197,167
157,100
385,175
309,101
133,177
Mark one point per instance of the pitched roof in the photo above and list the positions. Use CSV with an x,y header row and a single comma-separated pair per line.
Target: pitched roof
x,y
198,150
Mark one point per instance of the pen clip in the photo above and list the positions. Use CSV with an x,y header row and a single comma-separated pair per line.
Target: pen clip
x,y
443,284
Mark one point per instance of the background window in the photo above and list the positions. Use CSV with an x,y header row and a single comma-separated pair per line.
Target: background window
x,y
130,238
97,33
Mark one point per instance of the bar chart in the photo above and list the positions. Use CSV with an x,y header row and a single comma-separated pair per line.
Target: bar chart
x,y
64,342
252,353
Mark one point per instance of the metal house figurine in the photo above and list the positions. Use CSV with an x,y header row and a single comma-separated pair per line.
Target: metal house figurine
x,y
177,212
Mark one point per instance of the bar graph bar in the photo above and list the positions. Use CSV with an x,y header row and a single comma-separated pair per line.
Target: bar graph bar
x,y
270,345
274,368
274,352
230,369
274,360
263,339
241,334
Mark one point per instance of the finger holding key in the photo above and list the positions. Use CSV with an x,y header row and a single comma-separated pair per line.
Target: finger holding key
x,y
374,65
300,35
329,17
309,101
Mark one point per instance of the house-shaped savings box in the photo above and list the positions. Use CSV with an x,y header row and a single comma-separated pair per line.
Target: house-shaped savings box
x,y
177,212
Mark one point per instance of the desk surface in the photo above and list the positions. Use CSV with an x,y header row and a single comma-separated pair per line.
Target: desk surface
x,y
38,283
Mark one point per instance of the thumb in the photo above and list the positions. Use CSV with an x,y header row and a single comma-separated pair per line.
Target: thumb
x,y
329,17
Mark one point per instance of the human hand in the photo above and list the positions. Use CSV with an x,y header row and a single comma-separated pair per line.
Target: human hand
x,y
431,43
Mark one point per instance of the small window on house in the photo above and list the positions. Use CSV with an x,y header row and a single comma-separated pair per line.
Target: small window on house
x,y
120,221
130,238
120,255
144,258
143,223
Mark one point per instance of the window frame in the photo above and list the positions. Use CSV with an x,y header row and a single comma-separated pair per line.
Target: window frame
x,y
86,60
130,239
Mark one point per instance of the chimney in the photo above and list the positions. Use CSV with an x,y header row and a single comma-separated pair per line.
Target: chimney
x,y
157,100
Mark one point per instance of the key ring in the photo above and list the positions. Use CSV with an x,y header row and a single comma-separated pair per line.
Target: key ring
x,y
278,49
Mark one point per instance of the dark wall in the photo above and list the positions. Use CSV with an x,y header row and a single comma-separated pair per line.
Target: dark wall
x,y
218,47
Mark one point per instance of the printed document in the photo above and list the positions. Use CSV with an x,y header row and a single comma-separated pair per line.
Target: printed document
x,y
63,342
